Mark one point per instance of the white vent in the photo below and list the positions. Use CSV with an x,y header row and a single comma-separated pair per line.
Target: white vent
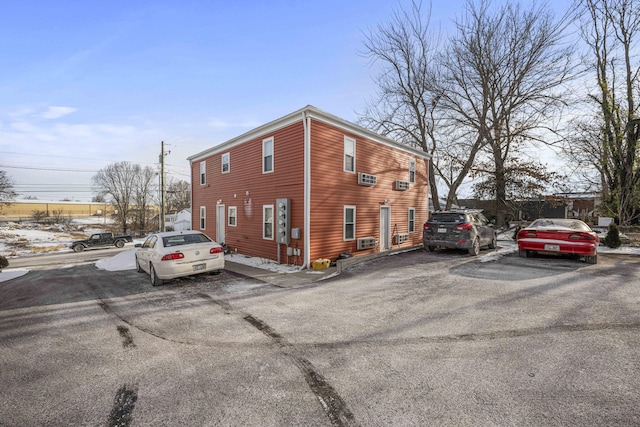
x,y
402,185
366,179
366,243
401,238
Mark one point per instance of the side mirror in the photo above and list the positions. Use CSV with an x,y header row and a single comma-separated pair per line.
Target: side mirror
x,y
137,245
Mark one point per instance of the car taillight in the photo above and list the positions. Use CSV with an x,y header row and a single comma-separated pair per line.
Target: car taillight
x,y
215,250
581,236
464,226
173,256
427,226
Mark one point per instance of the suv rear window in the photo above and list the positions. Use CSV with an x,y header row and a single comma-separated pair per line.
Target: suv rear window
x,y
448,217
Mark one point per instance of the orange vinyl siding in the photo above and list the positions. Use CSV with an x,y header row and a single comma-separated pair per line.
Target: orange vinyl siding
x,y
245,175
332,189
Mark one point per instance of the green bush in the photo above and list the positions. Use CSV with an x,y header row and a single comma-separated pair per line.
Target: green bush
x,y
612,240
4,263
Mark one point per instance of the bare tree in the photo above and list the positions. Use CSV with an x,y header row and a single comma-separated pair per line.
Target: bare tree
x,y
118,182
611,29
405,103
178,195
143,195
7,194
505,75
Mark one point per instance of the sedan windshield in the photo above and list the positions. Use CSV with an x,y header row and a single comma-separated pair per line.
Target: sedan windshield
x,y
184,239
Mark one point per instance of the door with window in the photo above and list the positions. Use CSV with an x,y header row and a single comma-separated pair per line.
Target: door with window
x,y
385,228
220,221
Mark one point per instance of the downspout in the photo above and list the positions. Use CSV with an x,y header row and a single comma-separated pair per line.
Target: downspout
x,y
306,122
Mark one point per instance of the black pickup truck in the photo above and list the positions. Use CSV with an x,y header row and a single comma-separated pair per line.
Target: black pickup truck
x,y
101,240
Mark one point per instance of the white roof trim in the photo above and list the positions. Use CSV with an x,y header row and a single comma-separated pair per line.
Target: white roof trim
x,y
296,116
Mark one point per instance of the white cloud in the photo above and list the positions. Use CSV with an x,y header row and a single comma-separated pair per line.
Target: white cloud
x,y
57,112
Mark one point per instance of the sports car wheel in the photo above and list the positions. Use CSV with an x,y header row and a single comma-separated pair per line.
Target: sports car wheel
x,y
591,259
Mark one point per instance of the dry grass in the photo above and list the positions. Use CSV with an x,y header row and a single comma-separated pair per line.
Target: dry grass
x,y
45,249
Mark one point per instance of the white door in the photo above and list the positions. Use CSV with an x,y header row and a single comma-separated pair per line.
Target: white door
x,y
385,228
220,222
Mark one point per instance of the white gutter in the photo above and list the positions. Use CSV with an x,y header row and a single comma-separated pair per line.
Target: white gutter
x,y
306,122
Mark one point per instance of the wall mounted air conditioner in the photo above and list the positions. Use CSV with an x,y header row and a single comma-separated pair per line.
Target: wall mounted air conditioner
x,y
402,185
366,179
401,238
366,243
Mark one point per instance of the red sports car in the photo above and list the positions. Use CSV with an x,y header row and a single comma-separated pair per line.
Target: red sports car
x,y
551,235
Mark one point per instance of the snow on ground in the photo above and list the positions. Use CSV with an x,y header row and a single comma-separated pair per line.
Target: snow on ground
x,y
125,260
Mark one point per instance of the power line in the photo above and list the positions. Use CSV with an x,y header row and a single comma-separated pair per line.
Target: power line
x,y
48,169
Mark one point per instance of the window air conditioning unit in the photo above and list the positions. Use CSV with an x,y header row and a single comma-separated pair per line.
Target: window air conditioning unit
x,y
401,238
402,185
366,179
366,243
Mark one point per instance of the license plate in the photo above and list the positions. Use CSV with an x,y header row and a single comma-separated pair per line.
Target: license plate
x,y
551,247
199,267
442,230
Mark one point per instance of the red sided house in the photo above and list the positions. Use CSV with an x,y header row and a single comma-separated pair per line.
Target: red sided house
x,y
310,186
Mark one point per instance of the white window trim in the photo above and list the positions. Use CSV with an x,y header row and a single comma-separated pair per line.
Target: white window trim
x,y
233,209
273,149
203,172
409,221
264,211
344,223
412,168
203,217
222,163
351,144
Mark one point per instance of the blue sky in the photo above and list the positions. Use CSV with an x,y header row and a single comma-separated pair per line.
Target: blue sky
x,y
84,84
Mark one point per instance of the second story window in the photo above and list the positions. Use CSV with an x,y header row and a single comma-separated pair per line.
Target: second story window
x,y
225,163
203,173
267,155
349,154
412,171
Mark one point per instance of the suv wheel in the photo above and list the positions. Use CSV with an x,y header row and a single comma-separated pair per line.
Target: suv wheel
x,y
474,250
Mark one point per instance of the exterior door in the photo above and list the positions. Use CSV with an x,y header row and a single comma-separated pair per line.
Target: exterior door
x,y
385,228
220,222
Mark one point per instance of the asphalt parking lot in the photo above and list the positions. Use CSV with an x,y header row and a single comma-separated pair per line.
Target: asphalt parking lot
x,y
412,339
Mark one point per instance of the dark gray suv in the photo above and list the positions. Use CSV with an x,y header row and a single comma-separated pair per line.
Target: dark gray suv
x,y
463,229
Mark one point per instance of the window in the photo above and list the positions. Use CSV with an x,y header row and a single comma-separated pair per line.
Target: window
x,y
349,223
349,154
412,171
225,163
412,220
267,155
233,213
203,173
267,222
203,217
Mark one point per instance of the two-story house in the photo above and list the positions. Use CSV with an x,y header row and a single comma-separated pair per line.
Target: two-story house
x,y
310,185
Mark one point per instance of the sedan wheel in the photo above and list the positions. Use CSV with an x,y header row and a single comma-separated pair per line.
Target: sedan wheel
x,y
138,268
523,253
494,243
474,250
155,280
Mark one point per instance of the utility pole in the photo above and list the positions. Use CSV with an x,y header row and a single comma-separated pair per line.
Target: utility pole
x,y
162,198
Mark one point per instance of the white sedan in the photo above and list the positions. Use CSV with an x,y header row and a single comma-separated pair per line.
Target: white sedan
x,y
172,254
